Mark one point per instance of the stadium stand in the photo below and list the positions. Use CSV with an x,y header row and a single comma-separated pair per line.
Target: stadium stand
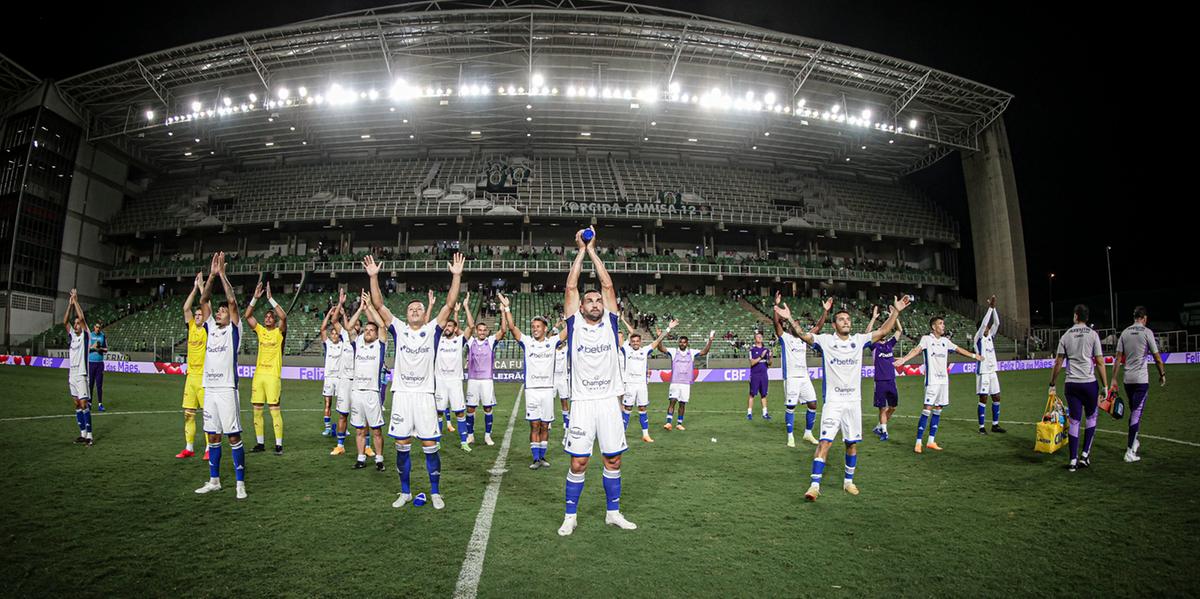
x,y
697,315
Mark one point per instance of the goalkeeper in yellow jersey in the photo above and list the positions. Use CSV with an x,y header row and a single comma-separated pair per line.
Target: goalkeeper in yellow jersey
x,y
269,369
193,388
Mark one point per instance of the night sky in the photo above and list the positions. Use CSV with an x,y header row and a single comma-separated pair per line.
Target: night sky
x,y
1085,124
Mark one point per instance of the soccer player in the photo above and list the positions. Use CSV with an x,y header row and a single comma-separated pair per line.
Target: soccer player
x,y
592,339
193,386
683,362
987,382
332,345
414,409
1080,347
268,373
936,347
343,392
96,350
366,409
634,358
886,395
221,409
797,387
1135,343
77,376
448,383
562,375
841,355
481,356
760,361
538,350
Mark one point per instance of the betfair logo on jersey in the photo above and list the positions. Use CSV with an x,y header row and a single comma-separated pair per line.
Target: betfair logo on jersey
x,y
424,349
842,361
594,349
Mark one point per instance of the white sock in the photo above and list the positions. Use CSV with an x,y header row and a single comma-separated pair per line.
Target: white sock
x,y
931,439
378,457
362,457
214,481
883,427
749,411
279,442
764,411
89,434
261,440
190,447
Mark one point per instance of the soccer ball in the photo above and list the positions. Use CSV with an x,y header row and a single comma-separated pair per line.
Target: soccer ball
x,y
419,500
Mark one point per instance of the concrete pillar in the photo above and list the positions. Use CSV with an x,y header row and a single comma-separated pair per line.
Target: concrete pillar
x,y
996,225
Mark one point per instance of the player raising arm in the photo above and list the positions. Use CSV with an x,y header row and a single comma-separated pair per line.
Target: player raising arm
x,y
344,393
797,387
886,395
635,358
77,376
268,372
414,409
193,387
481,357
936,347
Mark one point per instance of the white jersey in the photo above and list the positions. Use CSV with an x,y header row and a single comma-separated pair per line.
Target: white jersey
x,y
937,359
595,361
368,363
415,355
1080,344
560,362
1137,343
79,352
842,360
539,362
795,356
634,362
346,366
333,355
220,356
450,358
985,344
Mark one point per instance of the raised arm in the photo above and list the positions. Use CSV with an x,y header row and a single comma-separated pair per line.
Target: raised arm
x,y
456,270
365,304
987,317
826,306
197,288
506,319
372,269
627,325
280,314
206,293
329,316
782,311
431,300
899,329
874,317
775,317
898,306
67,313
571,295
249,315
230,297
466,304
657,345
607,290
707,346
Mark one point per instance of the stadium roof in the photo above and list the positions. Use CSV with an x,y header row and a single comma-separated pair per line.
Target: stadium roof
x,y
531,76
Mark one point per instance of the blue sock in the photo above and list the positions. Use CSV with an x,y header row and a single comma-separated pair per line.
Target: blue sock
x,y
818,470
533,449
574,490
341,437
79,421
933,423
87,419
326,422
644,418
851,462
566,419
448,415
790,418
625,419
403,466
612,489
462,427
470,424
810,418
214,460
669,416
239,461
982,410
679,419
487,422
995,412
921,425
433,463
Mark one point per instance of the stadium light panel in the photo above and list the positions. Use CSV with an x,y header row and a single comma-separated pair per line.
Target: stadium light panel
x,y
149,115
270,143
187,153
253,98
303,91
591,92
528,118
769,99
912,123
673,87
512,91
373,95
693,139
227,101
365,136
766,134
866,114
835,108
570,91
283,93
196,106
538,80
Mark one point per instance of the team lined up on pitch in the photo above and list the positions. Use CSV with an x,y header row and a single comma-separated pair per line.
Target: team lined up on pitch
x,y
597,372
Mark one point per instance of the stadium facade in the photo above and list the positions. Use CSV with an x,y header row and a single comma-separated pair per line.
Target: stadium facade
x,y
711,156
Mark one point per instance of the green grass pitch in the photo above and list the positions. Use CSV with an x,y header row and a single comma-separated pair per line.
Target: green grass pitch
x,y
719,507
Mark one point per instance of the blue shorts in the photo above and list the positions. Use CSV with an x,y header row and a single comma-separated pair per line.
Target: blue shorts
x,y
886,395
